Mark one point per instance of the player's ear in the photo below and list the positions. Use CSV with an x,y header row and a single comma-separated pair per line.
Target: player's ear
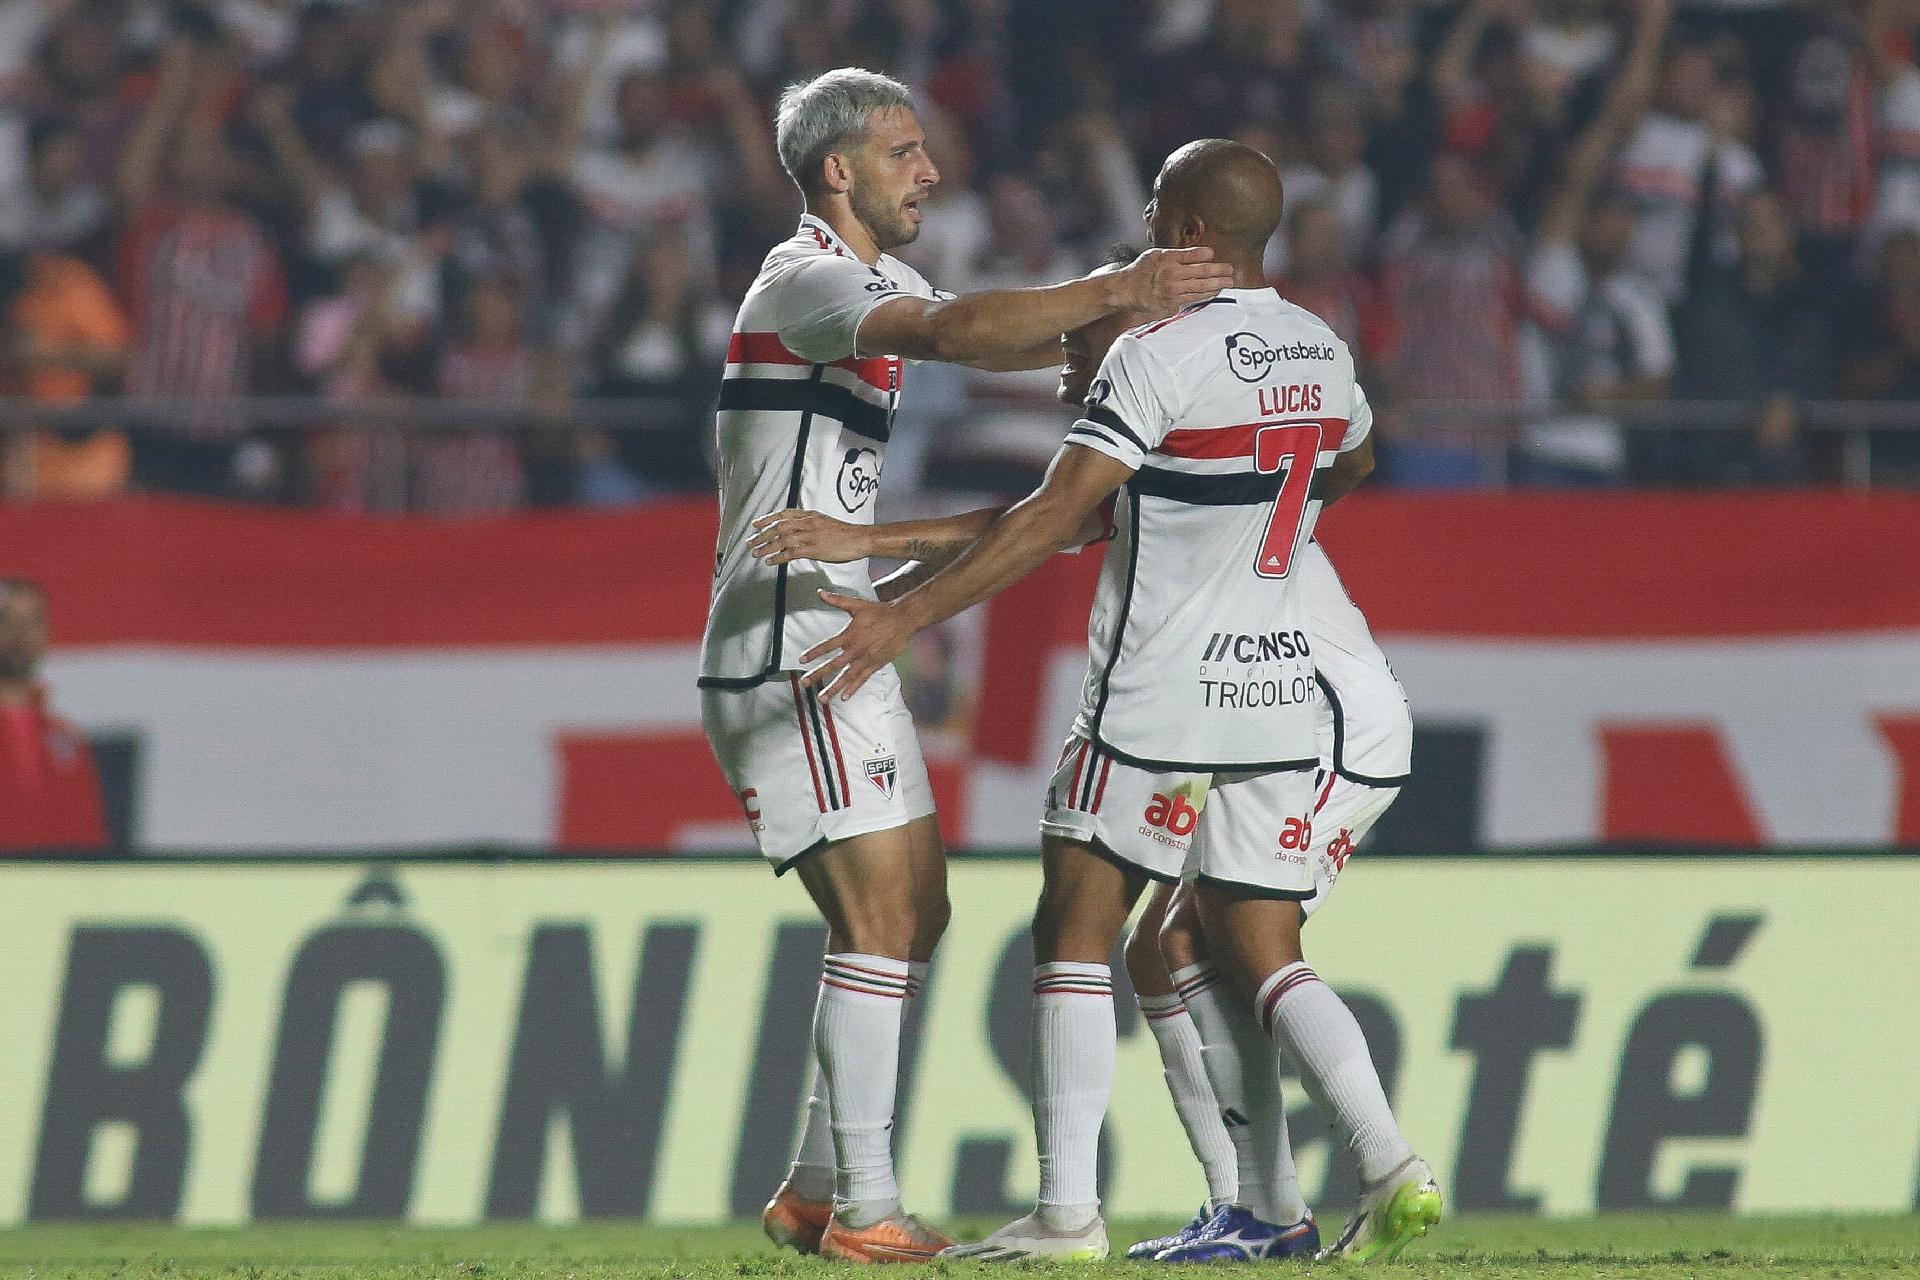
x,y
1191,231
837,172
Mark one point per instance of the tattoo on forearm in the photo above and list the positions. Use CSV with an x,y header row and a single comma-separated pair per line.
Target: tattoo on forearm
x,y
922,549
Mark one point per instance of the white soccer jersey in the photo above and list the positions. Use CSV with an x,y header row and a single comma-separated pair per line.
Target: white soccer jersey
x,y
802,422
1199,637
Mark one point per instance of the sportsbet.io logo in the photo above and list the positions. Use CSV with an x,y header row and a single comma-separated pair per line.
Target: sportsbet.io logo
x,y
859,479
1251,359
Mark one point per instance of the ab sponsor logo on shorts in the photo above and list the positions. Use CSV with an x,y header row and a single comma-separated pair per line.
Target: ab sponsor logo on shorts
x,y
1171,816
1296,837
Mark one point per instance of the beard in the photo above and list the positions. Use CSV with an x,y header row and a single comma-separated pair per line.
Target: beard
x,y
18,665
886,222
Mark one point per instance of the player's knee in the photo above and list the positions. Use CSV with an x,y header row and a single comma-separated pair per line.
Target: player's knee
x,y
933,912
1062,933
1142,954
1178,941
881,927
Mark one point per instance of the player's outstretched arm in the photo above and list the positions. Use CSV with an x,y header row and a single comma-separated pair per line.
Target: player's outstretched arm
x,y
796,534
1001,323
1049,520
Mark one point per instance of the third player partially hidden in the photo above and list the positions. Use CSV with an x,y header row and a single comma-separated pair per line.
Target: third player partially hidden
x,y
1222,430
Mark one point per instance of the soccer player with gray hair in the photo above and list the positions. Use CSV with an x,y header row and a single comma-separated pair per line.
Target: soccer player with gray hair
x,y
838,792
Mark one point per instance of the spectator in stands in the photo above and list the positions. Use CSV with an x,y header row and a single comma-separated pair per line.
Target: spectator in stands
x,y
1332,168
1754,332
76,79
1597,333
66,339
1826,147
465,472
1323,279
53,204
1684,171
1886,352
653,345
202,282
49,789
1452,277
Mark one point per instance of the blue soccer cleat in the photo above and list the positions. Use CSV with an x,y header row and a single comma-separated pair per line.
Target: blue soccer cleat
x,y
1235,1235
1148,1249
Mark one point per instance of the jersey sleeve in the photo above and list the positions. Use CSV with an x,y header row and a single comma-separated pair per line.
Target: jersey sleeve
x,y
1360,424
826,298
1130,407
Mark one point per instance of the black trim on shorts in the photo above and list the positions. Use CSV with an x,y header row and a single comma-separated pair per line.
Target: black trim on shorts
x,y
1340,742
737,684
1200,766
781,868
1099,849
1256,890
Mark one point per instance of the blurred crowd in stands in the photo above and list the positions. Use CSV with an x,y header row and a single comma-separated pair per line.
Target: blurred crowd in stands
x,y
1551,208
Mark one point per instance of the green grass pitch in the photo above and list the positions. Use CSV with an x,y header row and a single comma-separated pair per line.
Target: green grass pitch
x,y
1644,1247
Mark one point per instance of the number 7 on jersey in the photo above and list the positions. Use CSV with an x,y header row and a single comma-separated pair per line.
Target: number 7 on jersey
x,y
1293,449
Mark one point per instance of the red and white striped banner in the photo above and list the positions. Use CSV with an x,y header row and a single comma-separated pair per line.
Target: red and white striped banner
x,y
1721,669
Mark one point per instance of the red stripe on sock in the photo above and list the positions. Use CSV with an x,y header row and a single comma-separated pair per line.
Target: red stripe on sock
x,y
1297,979
865,991
860,968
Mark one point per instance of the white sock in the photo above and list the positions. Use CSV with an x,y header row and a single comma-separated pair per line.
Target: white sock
x,y
1073,1051
811,1174
1314,1027
856,1030
1186,1072
1244,1069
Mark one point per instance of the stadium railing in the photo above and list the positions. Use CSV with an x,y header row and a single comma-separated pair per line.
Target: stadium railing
x,y
1853,423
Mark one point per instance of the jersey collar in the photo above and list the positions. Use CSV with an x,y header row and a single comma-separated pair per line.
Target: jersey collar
x,y
815,226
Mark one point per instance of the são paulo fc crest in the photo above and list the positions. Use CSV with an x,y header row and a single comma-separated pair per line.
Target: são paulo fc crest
x,y
882,772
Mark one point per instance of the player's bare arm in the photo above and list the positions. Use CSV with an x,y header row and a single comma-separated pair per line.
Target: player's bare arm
x,y
1003,323
1347,471
795,534
1049,520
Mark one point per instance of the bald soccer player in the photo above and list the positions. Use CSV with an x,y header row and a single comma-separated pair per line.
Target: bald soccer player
x,y
1224,425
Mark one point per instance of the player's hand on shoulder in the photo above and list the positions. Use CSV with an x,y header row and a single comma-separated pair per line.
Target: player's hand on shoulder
x,y
794,534
1164,280
874,636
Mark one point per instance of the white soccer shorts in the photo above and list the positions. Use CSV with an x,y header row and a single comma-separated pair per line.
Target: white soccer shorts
x,y
1248,831
1365,728
1365,733
808,770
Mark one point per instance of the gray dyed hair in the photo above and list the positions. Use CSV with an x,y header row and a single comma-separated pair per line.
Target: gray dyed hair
x,y
827,113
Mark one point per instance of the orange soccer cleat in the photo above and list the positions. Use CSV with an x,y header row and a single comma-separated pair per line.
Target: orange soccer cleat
x,y
793,1223
899,1238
